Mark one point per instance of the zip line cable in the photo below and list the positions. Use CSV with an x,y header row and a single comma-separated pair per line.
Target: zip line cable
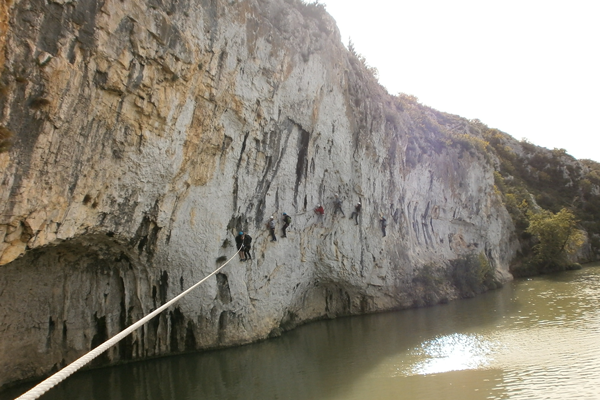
x,y
64,373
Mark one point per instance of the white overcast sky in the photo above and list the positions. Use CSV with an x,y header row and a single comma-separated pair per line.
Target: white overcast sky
x,y
530,68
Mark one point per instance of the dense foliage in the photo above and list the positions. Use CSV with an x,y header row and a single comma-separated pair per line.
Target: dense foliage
x,y
546,188
556,237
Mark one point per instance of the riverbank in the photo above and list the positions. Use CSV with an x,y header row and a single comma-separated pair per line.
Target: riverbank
x,y
513,343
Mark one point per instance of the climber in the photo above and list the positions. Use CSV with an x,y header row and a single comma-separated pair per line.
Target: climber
x,y
286,222
320,211
239,244
356,211
383,224
247,246
337,206
271,227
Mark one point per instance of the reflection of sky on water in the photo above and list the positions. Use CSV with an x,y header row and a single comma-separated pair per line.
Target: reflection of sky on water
x,y
453,352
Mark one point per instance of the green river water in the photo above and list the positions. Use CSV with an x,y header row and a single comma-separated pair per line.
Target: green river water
x,y
533,339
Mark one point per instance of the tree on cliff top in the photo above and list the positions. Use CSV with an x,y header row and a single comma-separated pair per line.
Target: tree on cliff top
x,y
557,236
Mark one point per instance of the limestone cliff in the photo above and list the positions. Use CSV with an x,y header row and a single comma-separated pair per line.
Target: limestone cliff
x,y
147,133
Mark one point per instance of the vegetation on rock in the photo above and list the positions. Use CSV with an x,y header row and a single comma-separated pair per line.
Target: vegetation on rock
x,y
555,237
540,186
470,275
533,183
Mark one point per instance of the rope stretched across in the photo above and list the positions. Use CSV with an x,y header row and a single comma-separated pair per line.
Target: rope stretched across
x,y
64,373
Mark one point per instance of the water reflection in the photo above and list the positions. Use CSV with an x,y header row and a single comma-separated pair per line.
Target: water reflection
x,y
532,339
451,353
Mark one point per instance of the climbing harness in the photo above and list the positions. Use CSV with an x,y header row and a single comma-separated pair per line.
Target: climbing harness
x,y
64,373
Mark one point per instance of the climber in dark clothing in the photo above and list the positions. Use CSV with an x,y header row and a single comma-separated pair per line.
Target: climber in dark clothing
x,y
247,246
286,223
383,224
239,244
337,205
356,211
271,227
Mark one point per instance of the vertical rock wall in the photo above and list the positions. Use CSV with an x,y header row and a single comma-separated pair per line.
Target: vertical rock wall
x,y
147,133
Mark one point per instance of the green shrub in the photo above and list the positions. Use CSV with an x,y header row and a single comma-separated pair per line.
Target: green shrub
x,y
472,274
311,10
556,236
524,268
470,143
429,278
359,62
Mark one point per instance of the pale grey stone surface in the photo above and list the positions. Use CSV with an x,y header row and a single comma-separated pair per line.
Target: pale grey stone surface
x,y
150,135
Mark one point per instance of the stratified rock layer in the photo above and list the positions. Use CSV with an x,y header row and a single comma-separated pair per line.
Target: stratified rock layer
x,y
147,133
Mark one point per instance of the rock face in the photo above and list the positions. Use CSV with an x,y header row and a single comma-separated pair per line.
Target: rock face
x,y
147,133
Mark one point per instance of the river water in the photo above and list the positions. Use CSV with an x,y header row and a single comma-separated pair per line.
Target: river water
x,y
533,339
